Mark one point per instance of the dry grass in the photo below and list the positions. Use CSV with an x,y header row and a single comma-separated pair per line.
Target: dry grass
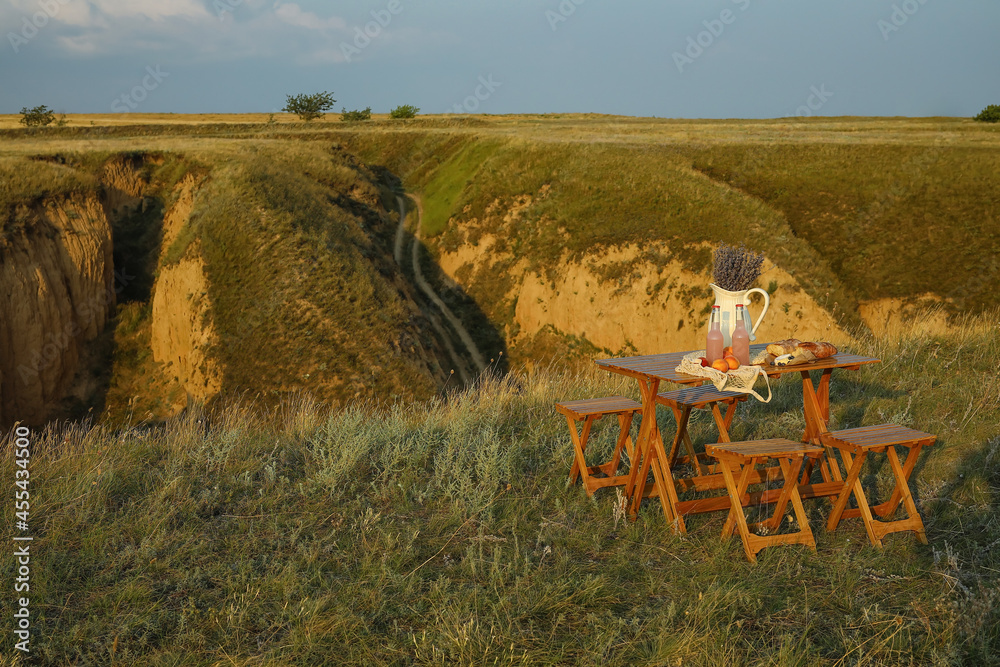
x,y
445,533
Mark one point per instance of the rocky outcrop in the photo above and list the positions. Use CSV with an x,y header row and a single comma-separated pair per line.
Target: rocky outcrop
x,y
57,292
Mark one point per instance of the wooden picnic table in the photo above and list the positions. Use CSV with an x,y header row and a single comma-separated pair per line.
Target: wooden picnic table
x,y
650,370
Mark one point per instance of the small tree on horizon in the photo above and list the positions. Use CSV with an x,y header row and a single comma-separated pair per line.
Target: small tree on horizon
x,y
404,111
39,116
309,107
348,116
990,114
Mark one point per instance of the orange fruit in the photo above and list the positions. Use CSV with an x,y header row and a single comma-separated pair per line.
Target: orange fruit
x,y
733,362
720,365
727,351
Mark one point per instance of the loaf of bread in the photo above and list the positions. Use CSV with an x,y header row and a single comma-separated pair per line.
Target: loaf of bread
x,y
817,350
804,352
786,346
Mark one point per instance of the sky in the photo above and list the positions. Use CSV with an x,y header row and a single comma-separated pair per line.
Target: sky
x,y
664,58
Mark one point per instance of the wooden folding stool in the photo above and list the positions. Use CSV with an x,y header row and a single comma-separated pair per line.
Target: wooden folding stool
x,y
742,458
588,411
854,445
682,402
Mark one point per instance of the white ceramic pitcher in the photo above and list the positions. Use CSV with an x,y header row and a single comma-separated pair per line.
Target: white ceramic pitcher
x,y
727,301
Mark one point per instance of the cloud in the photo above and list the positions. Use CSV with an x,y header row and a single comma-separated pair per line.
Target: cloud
x,y
157,10
100,13
292,14
192,29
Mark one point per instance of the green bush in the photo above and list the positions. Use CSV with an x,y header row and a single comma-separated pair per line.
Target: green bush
x,y
309,107
404,111
346,115
990,114
41,115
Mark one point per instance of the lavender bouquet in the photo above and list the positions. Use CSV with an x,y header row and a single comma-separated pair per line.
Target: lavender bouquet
x,y
736,269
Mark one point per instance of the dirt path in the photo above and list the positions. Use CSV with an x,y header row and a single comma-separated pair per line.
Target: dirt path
x,y
397,251
425,287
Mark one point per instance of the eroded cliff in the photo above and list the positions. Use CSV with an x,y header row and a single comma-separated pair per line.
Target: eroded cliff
x,y
57,292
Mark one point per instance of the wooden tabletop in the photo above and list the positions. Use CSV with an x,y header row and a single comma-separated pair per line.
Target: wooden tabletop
x,y
663,366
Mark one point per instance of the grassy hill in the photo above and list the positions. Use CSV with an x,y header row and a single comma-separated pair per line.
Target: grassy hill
x,y
296,242
856,210
890,220
446,533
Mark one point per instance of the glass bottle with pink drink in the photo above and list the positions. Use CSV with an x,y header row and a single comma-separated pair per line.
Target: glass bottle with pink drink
x,y
741,338
714,342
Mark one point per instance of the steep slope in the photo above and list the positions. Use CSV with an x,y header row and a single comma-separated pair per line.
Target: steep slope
x,y
284,280
576,249
898,222
57,294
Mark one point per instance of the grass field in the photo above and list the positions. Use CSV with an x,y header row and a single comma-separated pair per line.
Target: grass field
x,y
446,533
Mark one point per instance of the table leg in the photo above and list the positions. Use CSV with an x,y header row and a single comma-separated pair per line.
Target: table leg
x,y
666,489
730,413
648,433
815,423
823,394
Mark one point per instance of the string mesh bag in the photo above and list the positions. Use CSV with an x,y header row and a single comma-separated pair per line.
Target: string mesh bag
x,y
740,380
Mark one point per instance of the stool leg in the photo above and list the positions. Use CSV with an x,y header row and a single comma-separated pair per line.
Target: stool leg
x,y
911,508
720,423
859,495
800,516
790,472
736,507
695,463
839,505
888,508
681,417
624,435
745,472
730,413
579,444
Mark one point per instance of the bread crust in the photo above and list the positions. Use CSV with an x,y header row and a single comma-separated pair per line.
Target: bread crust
x,y
820,350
